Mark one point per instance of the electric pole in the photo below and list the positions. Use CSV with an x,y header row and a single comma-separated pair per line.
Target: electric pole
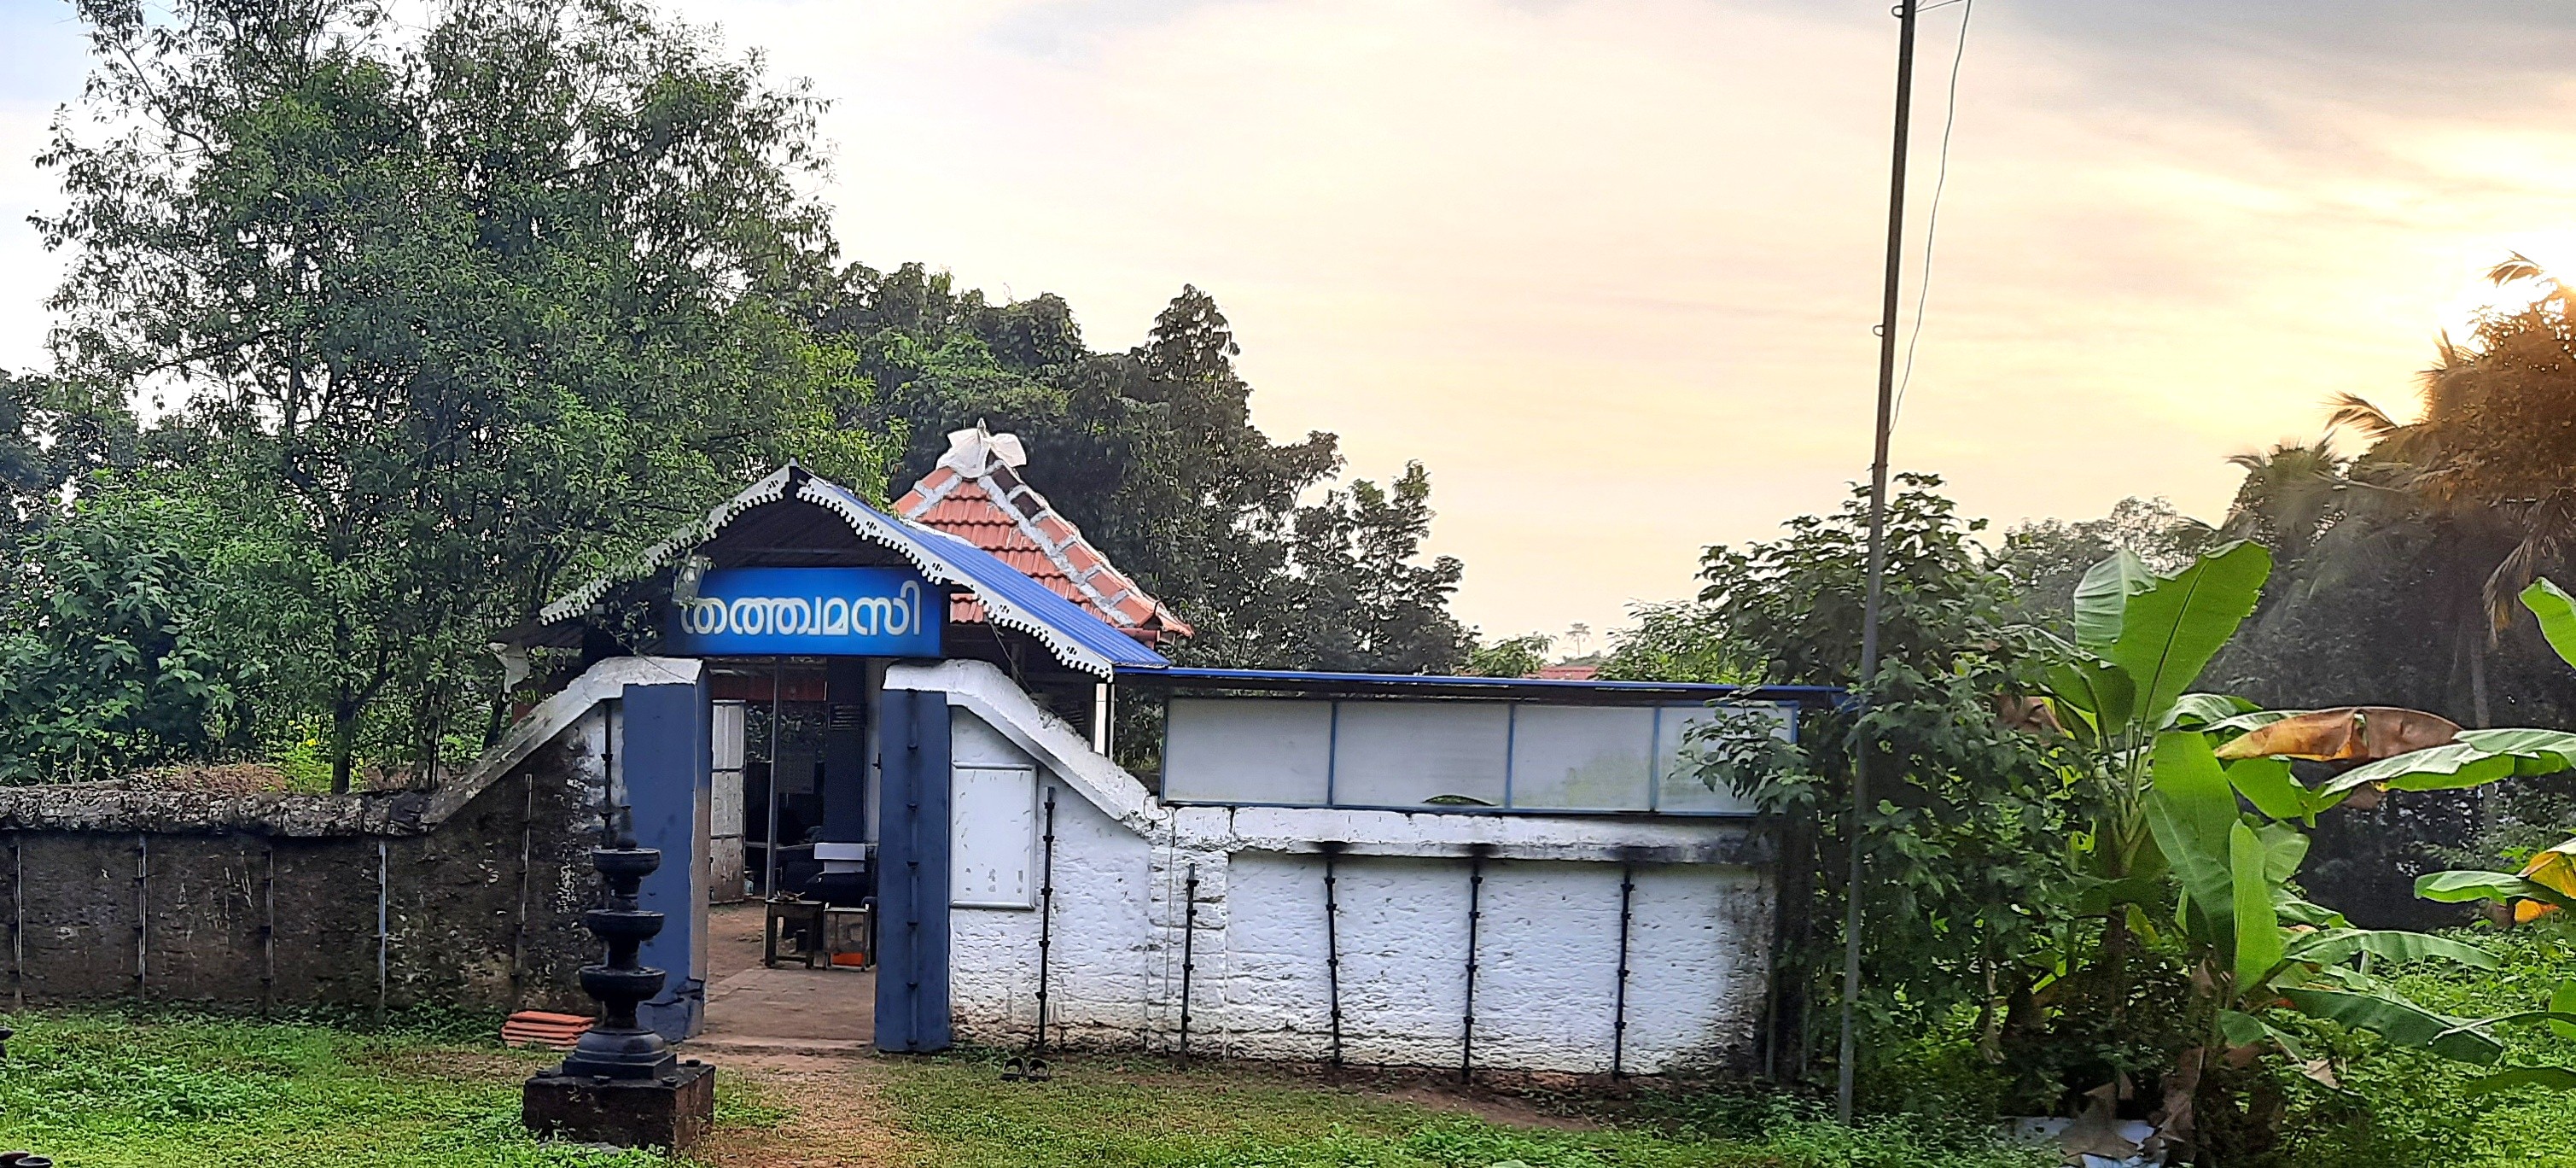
x,y
1877,572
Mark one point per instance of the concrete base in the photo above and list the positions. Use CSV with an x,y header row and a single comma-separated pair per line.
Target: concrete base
x,y
672,1112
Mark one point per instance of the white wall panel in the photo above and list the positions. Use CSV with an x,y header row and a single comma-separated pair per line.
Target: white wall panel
x,y
992,857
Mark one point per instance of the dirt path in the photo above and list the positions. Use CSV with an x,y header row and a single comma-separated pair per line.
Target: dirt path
x,y
835,1115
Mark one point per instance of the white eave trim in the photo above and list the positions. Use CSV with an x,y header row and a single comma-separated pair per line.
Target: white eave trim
x,y
903,537
906,539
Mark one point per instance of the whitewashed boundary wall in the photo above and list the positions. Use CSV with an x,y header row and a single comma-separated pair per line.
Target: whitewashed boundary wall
x,y
1547,943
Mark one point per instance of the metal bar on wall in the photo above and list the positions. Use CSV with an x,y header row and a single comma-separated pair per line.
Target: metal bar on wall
x,y
268,927
1189,931
1655,762
1511,742
17,920
1332,753
527,861
142,910
1619,1008
1333,946
384,926
1046,916
1475,911
769,841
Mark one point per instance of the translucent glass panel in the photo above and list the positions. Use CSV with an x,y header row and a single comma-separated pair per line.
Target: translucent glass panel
x,y
1524,756
1678,785
1407,754
1248,750
1582,758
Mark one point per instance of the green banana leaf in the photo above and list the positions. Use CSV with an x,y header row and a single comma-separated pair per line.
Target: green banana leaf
x,y
2209,711
2335,945
2192,812
2102,599
2096,690
2557,613
2479,757
2399,1021
2550,1078
2501,887
2241,1029
2268,784
2284,849
2258,932
2168,629
2563,1001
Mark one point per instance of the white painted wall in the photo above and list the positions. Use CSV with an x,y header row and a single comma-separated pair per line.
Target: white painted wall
x,y
1547,945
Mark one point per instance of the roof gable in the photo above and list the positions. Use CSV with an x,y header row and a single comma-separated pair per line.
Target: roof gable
x,y
1002,594
977,495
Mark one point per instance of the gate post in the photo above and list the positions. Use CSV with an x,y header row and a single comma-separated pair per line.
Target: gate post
x,y
665,762
912,879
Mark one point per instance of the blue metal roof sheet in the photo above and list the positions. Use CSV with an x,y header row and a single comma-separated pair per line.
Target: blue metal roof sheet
x,y
1283,679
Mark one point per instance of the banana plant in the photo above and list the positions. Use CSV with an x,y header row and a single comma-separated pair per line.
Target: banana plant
x,y
2545,884
2168,814
2398,749
2141,639
2259,950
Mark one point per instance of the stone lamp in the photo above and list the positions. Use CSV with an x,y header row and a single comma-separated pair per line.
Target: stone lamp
x,y
622,1084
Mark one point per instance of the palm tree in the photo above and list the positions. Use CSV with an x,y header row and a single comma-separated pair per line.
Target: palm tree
x,y
2289,496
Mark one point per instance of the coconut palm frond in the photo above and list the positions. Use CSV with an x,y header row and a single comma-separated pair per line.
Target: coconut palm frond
x,y
2517,267
2547,526
2354,412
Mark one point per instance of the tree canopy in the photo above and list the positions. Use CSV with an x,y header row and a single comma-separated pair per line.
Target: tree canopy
x,y
377,334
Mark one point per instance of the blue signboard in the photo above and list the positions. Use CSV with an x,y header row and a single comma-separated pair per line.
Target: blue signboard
x,y
852,612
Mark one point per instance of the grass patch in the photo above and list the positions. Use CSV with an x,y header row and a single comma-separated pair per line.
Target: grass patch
x,y
109,1090
1142,1112
2406,1108
104,1091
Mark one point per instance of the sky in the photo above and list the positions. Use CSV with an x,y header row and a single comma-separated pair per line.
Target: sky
x,y
1610,269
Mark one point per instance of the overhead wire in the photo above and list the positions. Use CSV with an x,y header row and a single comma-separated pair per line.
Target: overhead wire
x,y
1932,219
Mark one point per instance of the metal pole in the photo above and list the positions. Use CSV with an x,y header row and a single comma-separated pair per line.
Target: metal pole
x,y
384,926
142,908
268,927
18,920
1877,577
769,851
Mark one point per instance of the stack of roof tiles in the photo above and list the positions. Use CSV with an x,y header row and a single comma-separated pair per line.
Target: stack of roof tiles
x,y
541,1028
975,493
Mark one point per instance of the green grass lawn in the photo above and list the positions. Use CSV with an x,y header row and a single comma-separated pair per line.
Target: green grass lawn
x,y
104,1090
1106,1111
101,1090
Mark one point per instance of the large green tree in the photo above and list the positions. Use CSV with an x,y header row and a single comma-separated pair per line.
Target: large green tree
x,y
446,314
1153,451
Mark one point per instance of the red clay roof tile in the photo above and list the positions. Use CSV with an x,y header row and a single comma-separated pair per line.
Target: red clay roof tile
x,y
997,511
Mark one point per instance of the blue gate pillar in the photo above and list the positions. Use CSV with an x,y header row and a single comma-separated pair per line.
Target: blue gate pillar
x,y
665,765
912,872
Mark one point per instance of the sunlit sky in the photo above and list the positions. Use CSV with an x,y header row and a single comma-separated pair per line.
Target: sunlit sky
x,y
1610,269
